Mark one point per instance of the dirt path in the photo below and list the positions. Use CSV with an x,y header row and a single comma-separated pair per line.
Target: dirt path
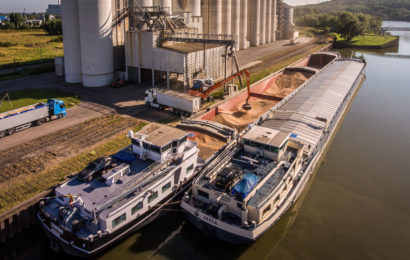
x,y
44,152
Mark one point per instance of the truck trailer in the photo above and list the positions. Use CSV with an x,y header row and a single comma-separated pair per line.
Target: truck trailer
x,y
180,103
36,114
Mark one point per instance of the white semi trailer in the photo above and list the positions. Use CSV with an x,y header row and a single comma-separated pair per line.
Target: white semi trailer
x,y
180,103
36,114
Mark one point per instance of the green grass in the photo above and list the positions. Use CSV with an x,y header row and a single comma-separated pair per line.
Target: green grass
x,y
27,97
28,47
367,40
31,185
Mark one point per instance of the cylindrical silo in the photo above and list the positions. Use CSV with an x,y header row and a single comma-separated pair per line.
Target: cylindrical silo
x,y
215,16
262,33
226,16
243,26
196,7
288,22
255,22
205,16
71,39
145,3
269,21
274,20
167,4
96,42
236,19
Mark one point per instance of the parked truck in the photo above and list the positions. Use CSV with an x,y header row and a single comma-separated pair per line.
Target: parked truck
x,y
36,114
180,103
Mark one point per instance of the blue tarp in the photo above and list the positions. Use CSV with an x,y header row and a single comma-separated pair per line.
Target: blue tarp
x,y
244,186
125,156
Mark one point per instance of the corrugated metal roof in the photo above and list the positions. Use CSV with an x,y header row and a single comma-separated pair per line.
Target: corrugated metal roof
x,y
320,99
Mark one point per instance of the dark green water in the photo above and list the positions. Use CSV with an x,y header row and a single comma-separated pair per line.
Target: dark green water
x,y
357,206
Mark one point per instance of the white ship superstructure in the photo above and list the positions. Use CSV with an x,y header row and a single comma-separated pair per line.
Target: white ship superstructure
x,y
87,216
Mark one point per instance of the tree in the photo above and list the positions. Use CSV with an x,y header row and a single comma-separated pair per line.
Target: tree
x,y
16,19
349,25
53,27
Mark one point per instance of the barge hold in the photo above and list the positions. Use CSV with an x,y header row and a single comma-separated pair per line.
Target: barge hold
x,y
86,216
246,189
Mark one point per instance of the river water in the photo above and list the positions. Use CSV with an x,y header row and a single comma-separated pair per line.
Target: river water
x,y
356,206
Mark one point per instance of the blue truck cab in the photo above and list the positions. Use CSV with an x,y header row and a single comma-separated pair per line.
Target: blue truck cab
x,y
56,108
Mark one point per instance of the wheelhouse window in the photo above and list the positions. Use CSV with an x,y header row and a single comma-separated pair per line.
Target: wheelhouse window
x,y
203,194
137,208
152,197
165,148
190,168
166,187
183,140
135,142
175,143
155,149
119,220
266,210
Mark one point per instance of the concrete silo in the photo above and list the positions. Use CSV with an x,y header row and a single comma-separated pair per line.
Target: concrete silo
x,y
145,3
255,22
269,21
236,19
243,30
215,16
262,28
167,4
96,42
274,20
196,7
71,31
227,17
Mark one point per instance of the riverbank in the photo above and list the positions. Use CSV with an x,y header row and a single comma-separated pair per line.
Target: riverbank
x,y
368,41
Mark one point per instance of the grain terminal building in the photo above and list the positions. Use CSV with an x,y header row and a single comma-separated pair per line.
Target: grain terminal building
x,y
155,40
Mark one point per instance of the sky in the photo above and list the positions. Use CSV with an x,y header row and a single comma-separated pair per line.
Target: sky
x,y
7,6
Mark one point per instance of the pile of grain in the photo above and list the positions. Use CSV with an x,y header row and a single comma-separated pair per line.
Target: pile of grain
x,y
240,118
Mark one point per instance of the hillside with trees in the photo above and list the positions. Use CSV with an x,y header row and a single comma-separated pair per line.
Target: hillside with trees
x,y
396,10
347,24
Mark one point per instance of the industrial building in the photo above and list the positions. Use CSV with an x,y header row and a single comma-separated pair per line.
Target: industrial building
x,y
164,40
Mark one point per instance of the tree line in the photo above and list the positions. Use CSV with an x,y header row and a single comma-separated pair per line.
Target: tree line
x,y
398,10
347,24
18,21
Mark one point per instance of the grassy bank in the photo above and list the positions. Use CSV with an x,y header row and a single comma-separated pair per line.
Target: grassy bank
x,y
27,97
25,187
28,47
368,40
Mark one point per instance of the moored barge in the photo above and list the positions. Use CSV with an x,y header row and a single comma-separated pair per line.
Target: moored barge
x,y
248,187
